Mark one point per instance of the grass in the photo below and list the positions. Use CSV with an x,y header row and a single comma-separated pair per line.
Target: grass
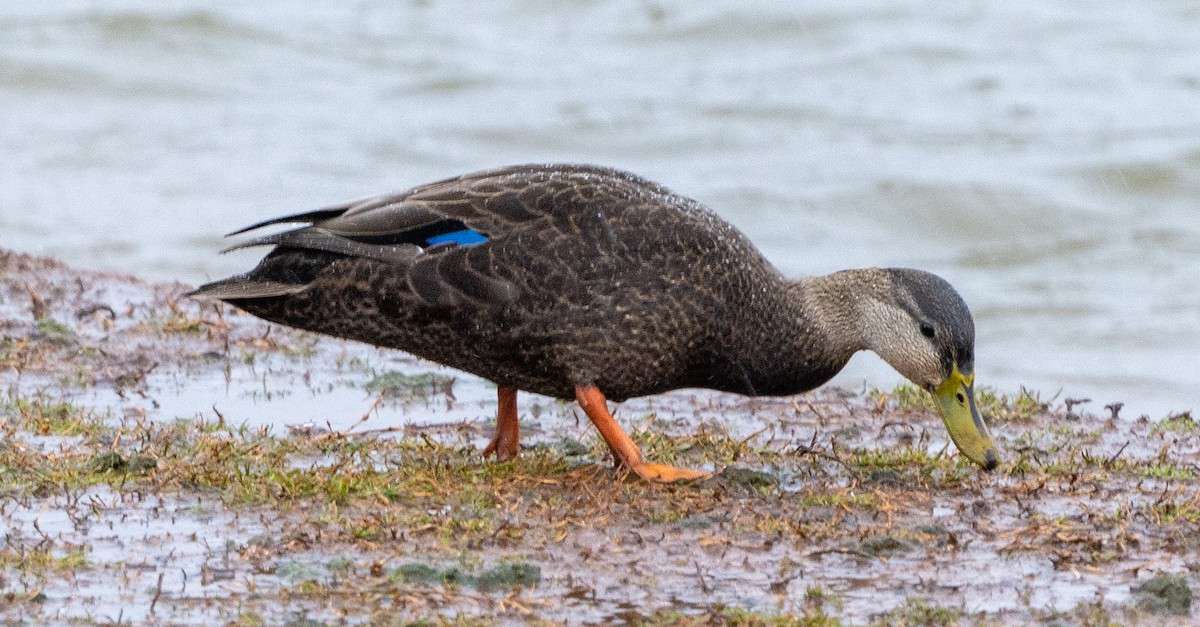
x,y
1165,594
996,407
55,332
40,414
503,576
734,617
382,491
1177,423
918,611
827,508
43,561
400,385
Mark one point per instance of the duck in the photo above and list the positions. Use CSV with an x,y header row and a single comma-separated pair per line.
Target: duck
x,y
593,284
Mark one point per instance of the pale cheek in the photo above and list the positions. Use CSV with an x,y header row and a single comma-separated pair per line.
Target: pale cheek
x,y
931,367
936,376
922,365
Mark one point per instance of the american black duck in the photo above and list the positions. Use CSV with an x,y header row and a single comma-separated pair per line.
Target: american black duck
x,y
590,283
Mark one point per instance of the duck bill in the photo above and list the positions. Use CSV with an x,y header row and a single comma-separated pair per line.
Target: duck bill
x,y
955,399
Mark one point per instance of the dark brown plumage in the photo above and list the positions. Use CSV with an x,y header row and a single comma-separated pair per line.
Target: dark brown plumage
x,y
589,278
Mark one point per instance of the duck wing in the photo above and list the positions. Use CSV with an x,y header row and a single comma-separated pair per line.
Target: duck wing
x,y
442,234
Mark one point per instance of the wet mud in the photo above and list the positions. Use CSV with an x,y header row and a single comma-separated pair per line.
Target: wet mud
x,y
164,461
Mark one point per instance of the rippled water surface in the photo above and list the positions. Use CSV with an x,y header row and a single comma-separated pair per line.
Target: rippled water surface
x,y
1045,160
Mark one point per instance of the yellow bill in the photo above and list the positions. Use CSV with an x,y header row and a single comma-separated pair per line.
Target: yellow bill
x,y
955,399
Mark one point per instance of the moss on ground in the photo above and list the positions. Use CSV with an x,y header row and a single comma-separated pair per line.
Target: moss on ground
x,y
826,507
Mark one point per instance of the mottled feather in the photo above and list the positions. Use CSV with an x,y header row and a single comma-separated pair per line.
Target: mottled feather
x,y
579,276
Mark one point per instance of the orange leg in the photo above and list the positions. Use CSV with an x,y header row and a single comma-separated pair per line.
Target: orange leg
x,y
627,453
506,444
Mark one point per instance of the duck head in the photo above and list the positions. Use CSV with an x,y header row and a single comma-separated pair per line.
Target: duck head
x,y
920,326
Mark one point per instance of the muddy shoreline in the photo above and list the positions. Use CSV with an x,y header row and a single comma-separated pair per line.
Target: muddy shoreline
x,y
168,462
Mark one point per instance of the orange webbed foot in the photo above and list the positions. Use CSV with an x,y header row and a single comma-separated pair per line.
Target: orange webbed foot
x,y
662,473
503,448
623,448
506,443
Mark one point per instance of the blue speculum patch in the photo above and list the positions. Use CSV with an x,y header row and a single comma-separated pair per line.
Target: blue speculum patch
x,y
465,237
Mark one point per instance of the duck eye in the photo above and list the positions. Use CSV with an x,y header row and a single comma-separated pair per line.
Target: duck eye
x,y
927,330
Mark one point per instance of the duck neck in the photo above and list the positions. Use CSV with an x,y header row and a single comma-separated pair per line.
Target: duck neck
x,y
804,338
841,307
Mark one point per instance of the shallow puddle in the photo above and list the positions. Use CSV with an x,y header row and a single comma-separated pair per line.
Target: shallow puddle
x,y
296,478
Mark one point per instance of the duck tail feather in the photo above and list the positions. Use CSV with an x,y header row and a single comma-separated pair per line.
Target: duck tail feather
x,y
316,238
241,287
309,217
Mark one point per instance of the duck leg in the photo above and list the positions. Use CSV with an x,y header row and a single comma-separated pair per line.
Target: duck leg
x,y
592,400
506,443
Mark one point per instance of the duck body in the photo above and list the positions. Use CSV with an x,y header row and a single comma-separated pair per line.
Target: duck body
x,y
587,276
586,282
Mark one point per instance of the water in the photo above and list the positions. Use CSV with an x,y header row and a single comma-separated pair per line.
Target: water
x,y
1044,159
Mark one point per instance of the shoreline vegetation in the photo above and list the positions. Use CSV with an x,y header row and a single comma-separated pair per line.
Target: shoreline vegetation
x,y
170,462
